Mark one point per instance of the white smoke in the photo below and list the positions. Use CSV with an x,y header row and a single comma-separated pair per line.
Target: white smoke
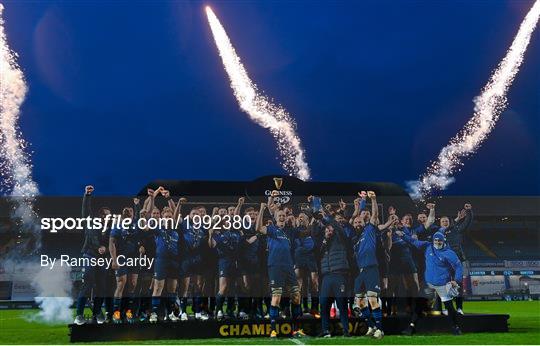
x,y
54,287
260,109
16,170
488,108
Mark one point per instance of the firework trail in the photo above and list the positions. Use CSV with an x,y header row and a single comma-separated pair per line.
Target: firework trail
x,y
260,109
488,108
53,288
16,167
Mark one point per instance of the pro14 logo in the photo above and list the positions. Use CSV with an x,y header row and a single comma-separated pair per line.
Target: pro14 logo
x,y
279,196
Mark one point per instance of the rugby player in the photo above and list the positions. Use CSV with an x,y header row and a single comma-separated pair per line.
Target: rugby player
x,y
305,264
126,242
166,264
145,279
403,280
227,242
248,260
367,283
195,243
93,276
280,268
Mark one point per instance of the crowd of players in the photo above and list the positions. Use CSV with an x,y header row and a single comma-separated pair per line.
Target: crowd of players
x,y
322,260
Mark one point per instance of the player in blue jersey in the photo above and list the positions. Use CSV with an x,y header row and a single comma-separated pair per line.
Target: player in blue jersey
x,y
125,242
367,284
248,260
403,280
226,241
423,231
166,263
305,264
280,268
425,222
443,272
146,273
206,281
195,243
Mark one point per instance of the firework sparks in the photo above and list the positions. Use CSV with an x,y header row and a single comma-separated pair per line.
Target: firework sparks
x,y
260,109
16,166
488,107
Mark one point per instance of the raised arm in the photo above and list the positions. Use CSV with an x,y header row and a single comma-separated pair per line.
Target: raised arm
x,y
388,223
87,201
259,227
136,211
167,195
466,221
238,208
330,220
431,217
342,207
153,194
356,210
178,209
271,204
374,208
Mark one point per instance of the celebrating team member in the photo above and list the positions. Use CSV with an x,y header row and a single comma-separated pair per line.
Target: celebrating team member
x,y
227,242
425,227
280,268
334,271
443,272
423,230
195,243
126,242
248,261
403,281
367,283
93,276
166,264
144,282
454,238
305,264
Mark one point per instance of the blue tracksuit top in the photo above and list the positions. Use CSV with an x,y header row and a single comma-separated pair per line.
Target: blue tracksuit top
x,y
441,265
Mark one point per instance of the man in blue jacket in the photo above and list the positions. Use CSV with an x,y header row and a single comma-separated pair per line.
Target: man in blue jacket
x,y
443,272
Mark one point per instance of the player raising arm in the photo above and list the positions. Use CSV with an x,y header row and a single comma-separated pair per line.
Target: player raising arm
x,y
443,272
93,276
280,269
367,283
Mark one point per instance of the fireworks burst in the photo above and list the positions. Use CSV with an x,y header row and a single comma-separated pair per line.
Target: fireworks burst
x,y
260,109
488,107
16,168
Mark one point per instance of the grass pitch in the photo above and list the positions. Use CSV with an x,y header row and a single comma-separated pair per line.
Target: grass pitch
x,y
16,327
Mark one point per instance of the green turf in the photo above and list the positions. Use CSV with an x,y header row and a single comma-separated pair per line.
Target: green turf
x,y
16,328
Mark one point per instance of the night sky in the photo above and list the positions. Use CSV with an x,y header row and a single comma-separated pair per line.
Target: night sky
x,y
123,93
